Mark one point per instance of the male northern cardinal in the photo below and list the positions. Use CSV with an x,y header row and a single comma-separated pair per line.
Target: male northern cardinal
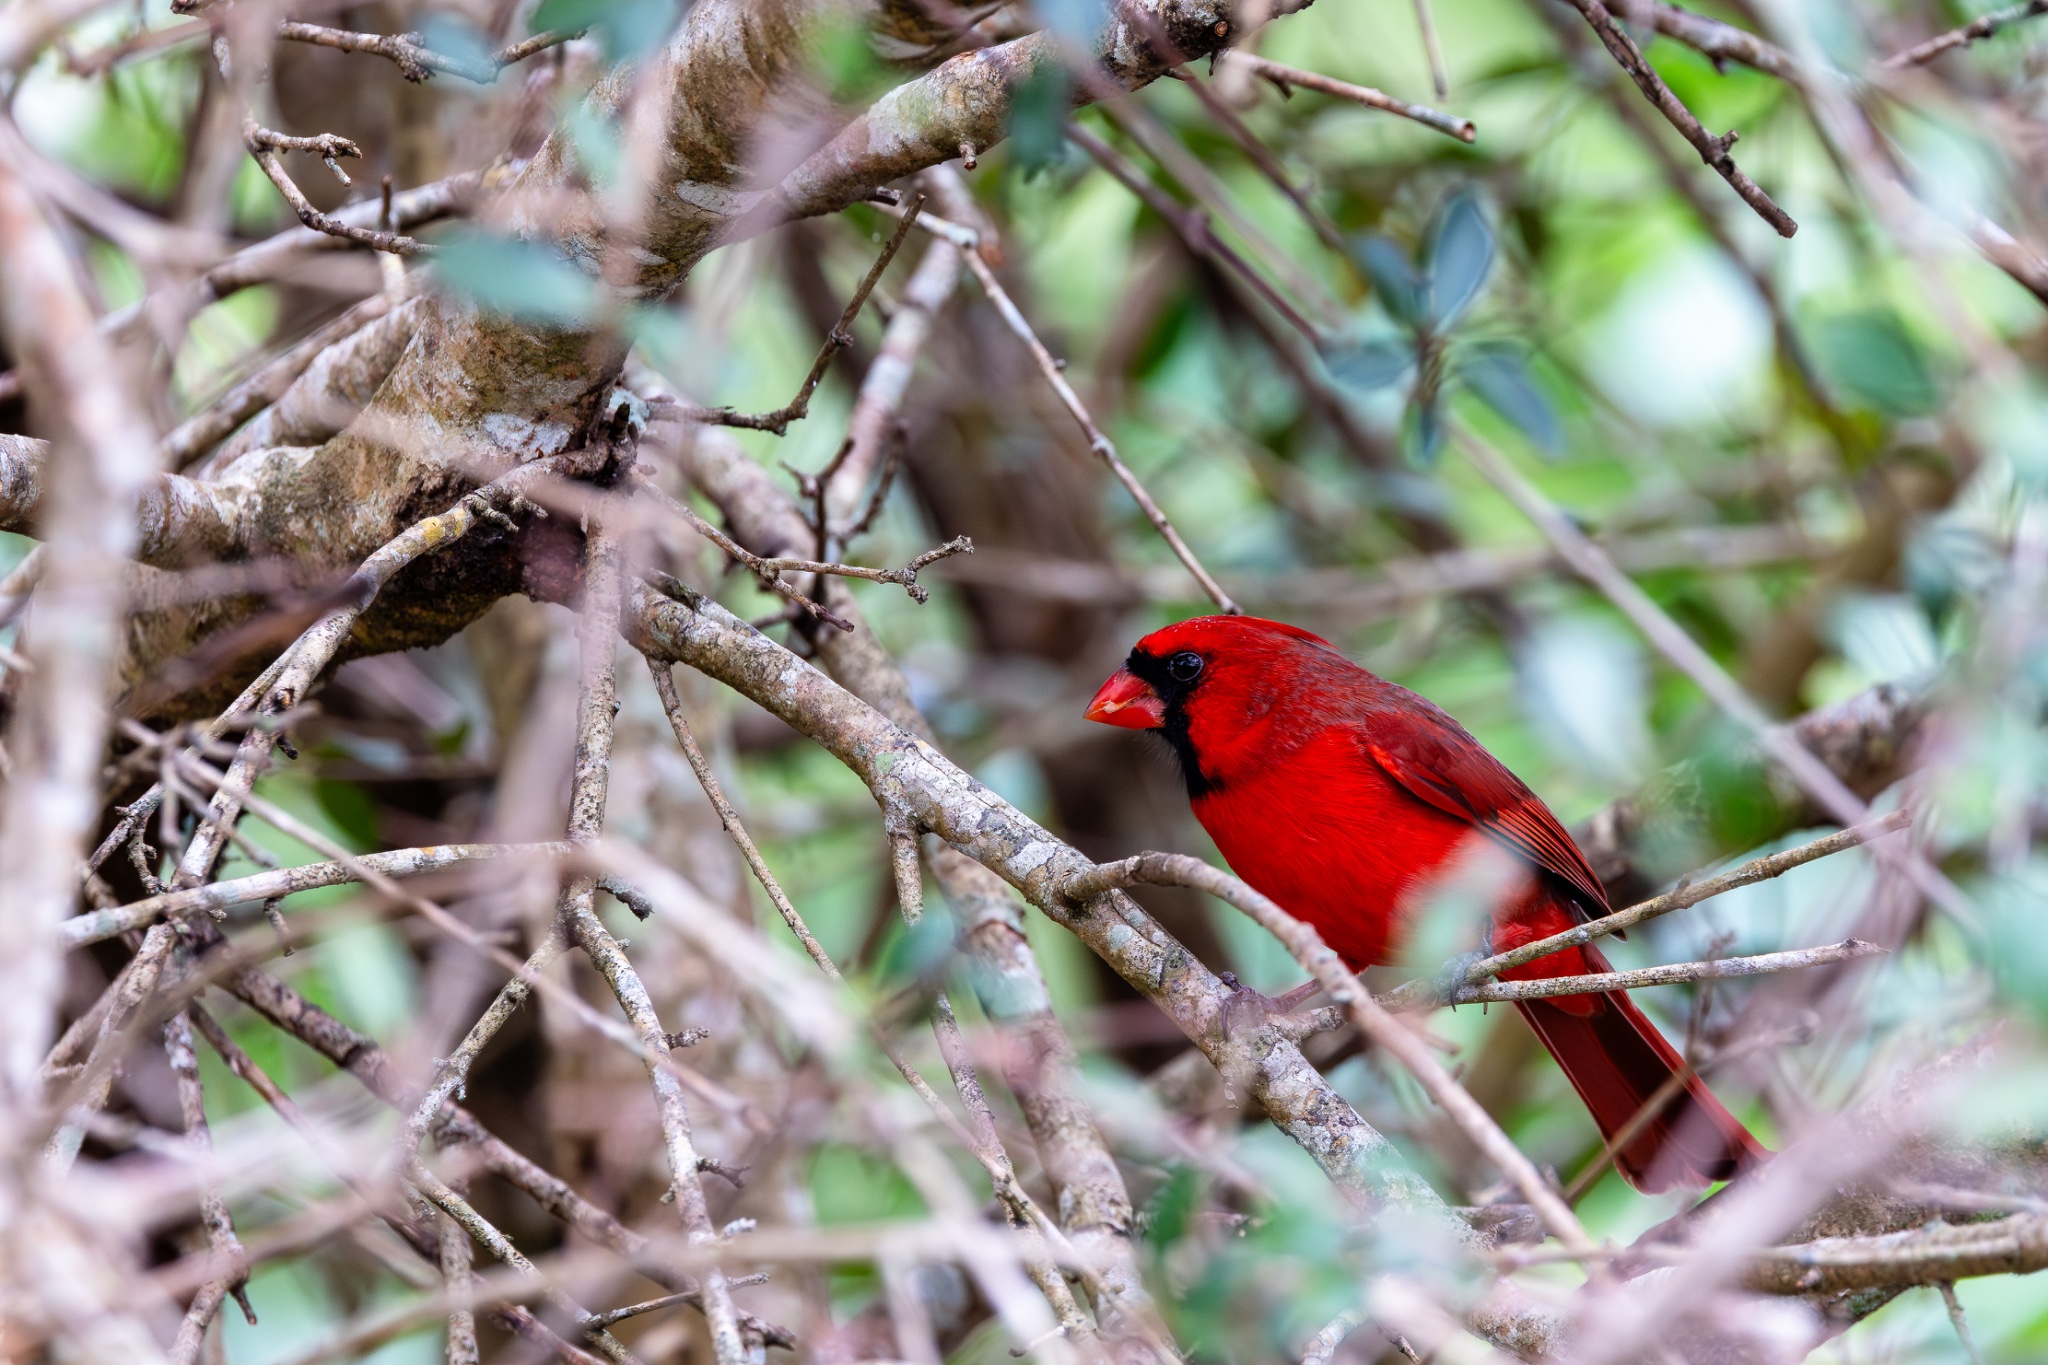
x,y
1343,797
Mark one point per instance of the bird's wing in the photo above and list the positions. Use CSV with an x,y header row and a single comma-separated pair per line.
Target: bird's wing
x,y
1435,760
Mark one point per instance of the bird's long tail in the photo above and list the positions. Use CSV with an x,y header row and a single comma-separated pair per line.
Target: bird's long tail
x,y
1618,1061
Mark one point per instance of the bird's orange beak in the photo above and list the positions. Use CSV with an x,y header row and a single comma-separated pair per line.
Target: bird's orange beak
x,y
1129,701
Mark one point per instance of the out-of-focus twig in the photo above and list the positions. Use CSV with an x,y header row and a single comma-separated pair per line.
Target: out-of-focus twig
x,y
1287,78
220,1230
107,458
1099,443
597,706
95,926
1671,640
414,59
840,337
1983,26
1191,225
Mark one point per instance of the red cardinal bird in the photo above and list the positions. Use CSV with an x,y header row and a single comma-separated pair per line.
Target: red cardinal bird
x,y
1343,797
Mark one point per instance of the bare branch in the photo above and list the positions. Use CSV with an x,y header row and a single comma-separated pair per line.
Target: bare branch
x,y
1983,26
1715,40
1938,1253
1287,78
414,59
1713,150
598,705
500,1246
95,926
768,571
1097,442
264,145
840,337
1416,994
1715,969
220,1232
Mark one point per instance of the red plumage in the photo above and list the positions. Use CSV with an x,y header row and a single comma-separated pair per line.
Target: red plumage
x,y
1344,797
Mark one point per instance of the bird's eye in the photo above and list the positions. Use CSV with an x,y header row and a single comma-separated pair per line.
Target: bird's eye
x,y
1184,666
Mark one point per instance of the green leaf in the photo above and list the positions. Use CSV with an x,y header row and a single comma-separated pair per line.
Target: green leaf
x,y
517,278
1393,277
1459,257
626,28
1369,365
1871,358
1038,118
1500,376
2018,953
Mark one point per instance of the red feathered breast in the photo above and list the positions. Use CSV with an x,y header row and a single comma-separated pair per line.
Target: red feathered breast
x,y
1335,842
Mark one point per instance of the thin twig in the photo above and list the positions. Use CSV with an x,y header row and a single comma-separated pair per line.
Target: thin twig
x,y
415,60
1716,41
840,337
1418,993
1097,442
1439,78
225,1247
499,1245
265,144
905,577
1286,78
1191,225
1262,156
451,1076
665,687
689,1297
1983,26
1713,969
597,707
97,925
1713,150
458,1277
1960,1322
1200,184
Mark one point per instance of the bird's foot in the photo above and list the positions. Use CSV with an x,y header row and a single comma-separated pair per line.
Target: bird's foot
x,y
1451,978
